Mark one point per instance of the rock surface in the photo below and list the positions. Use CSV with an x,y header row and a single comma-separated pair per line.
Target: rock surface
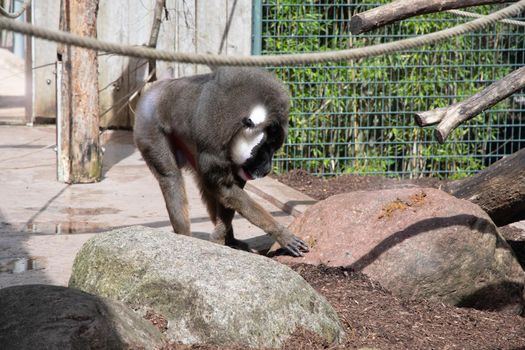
x,y
208,293
51,317
418,243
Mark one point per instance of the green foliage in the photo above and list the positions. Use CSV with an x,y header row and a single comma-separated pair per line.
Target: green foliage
x,y
357,116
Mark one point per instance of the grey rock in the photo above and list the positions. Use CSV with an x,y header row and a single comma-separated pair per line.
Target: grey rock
x,y
51,317
418,243
208,293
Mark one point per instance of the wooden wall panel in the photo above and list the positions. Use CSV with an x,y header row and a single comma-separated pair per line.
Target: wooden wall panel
x,y
191,26
44,58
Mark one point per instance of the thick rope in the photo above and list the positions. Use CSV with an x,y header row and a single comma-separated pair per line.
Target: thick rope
x,y
269,60
476,15
19,13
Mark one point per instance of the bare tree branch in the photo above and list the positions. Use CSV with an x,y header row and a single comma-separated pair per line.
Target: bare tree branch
x,y
154,35
401,9
452,116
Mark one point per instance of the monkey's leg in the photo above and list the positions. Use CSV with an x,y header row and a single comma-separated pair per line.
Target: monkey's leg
x,y
237,198
222,218
162,163
232,196
174,193
225,217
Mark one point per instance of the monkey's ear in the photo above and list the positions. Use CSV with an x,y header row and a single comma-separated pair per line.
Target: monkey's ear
x,y
248,122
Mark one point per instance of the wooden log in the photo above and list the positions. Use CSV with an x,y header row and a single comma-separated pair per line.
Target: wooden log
x,y
154,36
80,160
401,9
452,116
499,189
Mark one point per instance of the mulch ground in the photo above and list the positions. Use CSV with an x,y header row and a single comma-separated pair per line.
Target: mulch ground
x,y
375,319
322,188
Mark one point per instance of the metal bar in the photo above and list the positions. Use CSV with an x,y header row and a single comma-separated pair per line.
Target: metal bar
x,y
257,27
28,63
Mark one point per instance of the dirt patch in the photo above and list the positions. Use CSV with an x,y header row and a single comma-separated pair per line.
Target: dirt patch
x,y
321,188
374,318
415,200
157,320
390,208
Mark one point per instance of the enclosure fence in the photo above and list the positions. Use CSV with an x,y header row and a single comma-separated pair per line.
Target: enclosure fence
x,y
357,116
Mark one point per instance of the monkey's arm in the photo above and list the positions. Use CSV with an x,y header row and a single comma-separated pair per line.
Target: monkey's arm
x,y
236,198
217,173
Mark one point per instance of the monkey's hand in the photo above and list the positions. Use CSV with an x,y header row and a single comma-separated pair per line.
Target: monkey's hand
x,y
293,244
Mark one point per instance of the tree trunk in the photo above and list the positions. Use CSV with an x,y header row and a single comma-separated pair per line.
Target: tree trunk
x,y
80,158
499,189
401,9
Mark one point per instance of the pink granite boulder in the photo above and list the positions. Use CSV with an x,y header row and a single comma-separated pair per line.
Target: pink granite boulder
x,y
418,243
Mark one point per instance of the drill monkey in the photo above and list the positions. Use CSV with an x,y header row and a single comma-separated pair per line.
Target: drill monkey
x,y
225,126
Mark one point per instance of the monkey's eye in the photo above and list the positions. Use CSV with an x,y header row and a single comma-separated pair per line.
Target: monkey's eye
x,y
248,122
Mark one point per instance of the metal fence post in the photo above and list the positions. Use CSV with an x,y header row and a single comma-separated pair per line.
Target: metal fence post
x,y
256,27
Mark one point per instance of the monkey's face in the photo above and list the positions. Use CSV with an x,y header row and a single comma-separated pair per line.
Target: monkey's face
x,y
253,146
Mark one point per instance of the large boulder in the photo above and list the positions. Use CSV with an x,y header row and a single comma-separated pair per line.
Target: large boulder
x,y
418,243
208,293
51,317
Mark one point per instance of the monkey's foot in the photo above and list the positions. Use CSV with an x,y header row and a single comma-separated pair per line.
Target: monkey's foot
x,y
233,243
295,246
239,245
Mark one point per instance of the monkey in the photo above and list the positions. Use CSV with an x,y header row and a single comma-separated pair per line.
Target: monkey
x,y
225,126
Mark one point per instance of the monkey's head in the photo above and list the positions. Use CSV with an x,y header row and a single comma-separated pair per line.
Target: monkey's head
x,y
244,112
255,143
261,114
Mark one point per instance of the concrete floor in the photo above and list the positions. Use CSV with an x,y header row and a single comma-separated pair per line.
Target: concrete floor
x,y
43,223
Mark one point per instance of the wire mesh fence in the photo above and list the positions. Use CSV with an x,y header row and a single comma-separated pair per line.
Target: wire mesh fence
x,y
357,117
